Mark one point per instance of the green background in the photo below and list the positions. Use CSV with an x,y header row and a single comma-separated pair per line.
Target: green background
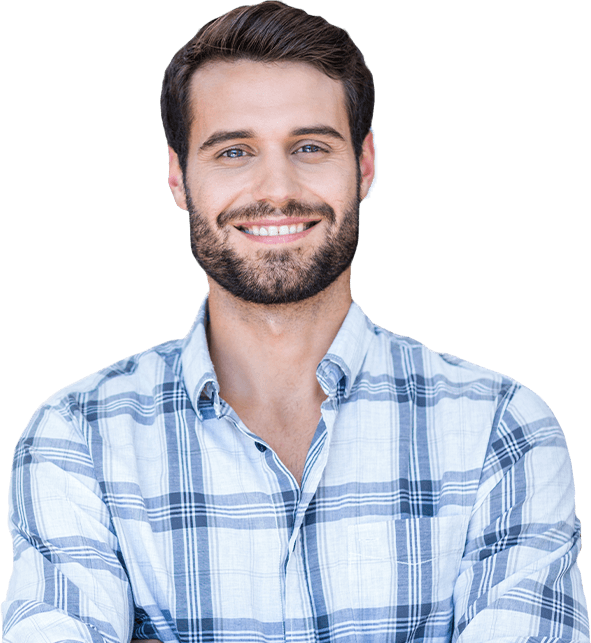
x,y
474,241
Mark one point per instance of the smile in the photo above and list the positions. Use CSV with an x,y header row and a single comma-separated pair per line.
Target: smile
x,y
276,231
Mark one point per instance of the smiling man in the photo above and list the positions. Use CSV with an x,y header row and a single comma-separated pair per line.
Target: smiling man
x,y
289,470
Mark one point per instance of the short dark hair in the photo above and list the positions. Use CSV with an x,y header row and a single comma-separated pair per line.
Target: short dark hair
x,y
267,32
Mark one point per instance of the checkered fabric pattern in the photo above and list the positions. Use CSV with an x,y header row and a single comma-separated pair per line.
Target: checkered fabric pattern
x,y
436,505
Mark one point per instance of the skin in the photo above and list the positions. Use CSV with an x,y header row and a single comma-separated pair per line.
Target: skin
x,y
251,142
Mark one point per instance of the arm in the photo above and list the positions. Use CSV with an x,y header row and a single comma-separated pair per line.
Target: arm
x,y
68,583
518,580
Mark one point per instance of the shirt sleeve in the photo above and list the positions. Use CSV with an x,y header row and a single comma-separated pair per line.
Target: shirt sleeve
x,y
68,583
518,579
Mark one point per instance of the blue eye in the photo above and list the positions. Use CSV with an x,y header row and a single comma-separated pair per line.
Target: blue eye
x,y
234,153
310,148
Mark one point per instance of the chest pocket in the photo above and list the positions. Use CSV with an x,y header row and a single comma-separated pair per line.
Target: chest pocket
x,y
404,571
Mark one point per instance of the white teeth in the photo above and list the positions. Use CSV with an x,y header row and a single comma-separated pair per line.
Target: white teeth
x,y
274,231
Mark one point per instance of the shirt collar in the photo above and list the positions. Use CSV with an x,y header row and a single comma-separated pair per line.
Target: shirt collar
x,y
342,363
336,372
198,371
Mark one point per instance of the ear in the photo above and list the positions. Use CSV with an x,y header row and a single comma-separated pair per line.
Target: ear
x,y
175,179
367,165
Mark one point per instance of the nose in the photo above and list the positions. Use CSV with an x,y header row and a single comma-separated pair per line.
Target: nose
x,y
276,179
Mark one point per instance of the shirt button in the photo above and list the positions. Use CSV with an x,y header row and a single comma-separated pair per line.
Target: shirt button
x,y
261,447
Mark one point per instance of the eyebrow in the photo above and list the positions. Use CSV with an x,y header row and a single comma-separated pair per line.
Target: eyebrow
x,y
321,130
222,136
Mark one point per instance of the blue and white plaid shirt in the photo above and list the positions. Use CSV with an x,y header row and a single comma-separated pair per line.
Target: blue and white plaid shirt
x,y
436,504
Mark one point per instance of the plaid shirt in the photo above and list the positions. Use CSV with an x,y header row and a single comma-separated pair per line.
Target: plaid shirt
x,y
436,504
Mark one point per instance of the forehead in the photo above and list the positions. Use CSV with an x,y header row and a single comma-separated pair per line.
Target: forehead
x,y
265,98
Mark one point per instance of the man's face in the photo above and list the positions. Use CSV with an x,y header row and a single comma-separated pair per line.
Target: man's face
x,y
272,183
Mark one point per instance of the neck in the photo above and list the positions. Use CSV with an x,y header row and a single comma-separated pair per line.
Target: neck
x,y
263,352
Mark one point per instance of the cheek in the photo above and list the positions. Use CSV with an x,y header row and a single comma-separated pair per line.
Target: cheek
x,y
337,191
209,201
219,193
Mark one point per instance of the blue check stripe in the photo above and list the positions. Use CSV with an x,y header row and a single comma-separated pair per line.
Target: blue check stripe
x,y
436,505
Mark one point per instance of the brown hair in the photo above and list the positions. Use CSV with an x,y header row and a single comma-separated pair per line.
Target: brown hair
x,y
267,32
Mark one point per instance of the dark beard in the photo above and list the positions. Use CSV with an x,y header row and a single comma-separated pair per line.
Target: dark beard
x,y
274,276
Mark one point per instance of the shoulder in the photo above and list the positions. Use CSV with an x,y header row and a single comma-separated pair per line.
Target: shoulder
x,y
498,420
516,416
435,375
134,374
130,384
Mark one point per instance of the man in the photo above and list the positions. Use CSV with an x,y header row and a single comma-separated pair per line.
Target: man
x,y
289,470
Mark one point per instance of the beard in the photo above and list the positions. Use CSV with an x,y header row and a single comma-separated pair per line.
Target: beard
x,y
280,275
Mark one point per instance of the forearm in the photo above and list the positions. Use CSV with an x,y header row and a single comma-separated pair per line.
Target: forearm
x,y
519,580
68,583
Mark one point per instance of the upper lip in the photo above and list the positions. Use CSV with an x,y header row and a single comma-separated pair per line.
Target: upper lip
x,y
265,223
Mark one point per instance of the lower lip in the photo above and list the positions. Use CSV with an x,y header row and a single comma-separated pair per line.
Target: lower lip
x,y
279,238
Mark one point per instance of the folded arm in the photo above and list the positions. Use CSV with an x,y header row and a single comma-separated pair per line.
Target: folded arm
x,y
519,581
68,583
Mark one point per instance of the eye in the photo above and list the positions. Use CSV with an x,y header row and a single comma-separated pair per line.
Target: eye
x,y
233,153
310,148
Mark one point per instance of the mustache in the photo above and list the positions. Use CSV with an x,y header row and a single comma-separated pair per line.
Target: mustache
x,y
262,209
